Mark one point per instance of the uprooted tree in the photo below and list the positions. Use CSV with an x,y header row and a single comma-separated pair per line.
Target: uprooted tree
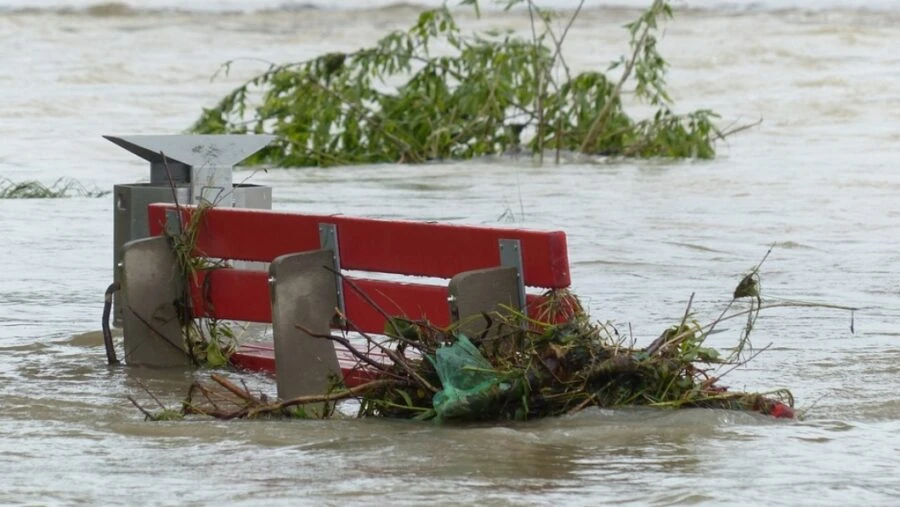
x,y
477,95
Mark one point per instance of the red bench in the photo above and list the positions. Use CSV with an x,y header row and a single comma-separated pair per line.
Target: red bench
x,y
472,257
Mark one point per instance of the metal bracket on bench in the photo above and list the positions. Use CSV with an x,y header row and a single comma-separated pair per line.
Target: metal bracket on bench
x,y
511,257
328,240
173,222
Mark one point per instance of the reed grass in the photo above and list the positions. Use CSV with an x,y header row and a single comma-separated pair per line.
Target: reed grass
x,y
33,189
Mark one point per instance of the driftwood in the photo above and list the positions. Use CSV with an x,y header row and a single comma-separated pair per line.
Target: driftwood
x,y
244,404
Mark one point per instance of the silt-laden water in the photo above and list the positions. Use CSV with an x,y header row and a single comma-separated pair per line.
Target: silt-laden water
x,y
818,179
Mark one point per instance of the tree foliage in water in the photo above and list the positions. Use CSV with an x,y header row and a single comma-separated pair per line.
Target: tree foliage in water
x,y
31,189
478,95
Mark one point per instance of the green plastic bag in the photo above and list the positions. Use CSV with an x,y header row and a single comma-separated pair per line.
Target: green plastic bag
x,y
470,383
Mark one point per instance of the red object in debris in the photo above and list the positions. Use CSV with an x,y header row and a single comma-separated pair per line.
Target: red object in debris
x,y
780,410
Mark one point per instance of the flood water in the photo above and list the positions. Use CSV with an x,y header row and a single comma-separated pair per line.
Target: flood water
x,y
818,179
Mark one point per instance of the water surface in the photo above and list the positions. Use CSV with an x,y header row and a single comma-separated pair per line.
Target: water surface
x,y
818,179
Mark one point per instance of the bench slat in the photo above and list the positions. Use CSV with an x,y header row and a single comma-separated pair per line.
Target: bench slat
x,y
260,357
388,246
237,294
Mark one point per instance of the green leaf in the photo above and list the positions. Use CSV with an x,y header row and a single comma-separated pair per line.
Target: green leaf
x,y
406,397
707,354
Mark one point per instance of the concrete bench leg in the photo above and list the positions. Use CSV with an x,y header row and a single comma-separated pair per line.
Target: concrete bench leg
x,y
482,291
151,283
303,293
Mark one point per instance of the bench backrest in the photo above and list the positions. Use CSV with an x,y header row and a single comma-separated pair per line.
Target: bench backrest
x,y
364,244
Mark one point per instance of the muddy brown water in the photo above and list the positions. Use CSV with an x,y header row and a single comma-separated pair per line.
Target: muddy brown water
x,y
818,179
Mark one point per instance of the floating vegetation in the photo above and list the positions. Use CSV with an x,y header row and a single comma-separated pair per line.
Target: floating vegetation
x,y
32,189
210,342
481,94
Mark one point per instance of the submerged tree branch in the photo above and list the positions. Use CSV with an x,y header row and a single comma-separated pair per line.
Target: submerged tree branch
x,y
465,103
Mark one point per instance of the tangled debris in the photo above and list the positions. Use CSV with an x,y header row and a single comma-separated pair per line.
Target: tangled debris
x,y
556,363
